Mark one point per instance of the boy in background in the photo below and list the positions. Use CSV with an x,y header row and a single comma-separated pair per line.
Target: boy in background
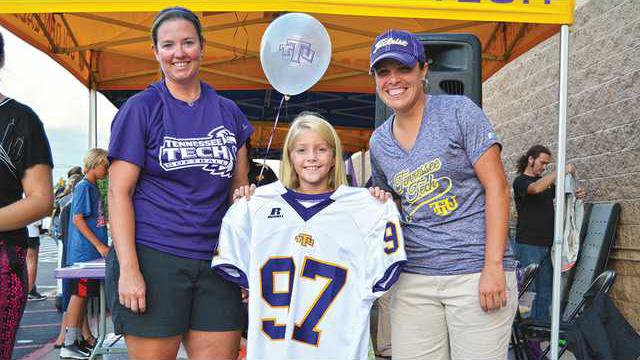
x,y
87,241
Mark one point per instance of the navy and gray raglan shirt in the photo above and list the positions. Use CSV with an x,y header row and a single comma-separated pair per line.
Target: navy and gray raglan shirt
x,y
443,201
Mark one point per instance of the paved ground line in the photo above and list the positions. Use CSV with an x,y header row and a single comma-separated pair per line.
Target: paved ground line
x,y
40,311
38,325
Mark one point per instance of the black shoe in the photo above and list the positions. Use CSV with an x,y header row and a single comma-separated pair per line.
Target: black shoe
x,y
86,346
74,351
36,296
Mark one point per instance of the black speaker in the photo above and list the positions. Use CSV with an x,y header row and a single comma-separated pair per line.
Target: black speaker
x,y
455,68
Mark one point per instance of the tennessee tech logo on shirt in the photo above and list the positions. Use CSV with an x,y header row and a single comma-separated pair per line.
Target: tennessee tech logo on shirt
x,y
215,153
426,186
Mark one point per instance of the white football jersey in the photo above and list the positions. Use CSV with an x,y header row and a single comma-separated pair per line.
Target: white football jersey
x,y
312,273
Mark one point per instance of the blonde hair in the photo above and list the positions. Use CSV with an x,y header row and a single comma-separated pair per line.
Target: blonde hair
x,y
312,121
94,158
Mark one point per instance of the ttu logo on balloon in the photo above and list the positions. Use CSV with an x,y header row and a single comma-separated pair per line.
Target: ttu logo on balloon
x,y
297,51
214,153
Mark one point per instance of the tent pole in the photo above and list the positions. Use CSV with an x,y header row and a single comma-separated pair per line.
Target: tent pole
x,y
559,213
93,118
93,103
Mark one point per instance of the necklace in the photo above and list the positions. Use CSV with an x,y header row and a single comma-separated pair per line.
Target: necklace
x,y
177,94
193,100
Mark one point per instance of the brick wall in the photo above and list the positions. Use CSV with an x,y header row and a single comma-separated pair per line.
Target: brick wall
x,y
603,128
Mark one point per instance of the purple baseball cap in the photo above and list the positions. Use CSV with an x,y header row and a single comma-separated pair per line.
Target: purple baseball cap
x,y
399,45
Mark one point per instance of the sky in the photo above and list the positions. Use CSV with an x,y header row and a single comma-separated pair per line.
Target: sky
x,y
61,101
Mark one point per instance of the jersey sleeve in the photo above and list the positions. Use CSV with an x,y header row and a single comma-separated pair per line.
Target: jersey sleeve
x,y
476,130
386,251
232,256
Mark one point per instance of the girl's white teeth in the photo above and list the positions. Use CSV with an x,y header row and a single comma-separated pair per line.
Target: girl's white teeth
x,y
393,92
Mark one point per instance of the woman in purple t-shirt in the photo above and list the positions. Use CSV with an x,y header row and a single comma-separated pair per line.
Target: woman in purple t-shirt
x,y
177,148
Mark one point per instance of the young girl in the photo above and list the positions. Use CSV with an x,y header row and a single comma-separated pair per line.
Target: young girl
x,y
315,252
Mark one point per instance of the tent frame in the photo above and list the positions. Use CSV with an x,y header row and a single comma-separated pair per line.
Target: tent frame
x,y
561,13
560,183
560,189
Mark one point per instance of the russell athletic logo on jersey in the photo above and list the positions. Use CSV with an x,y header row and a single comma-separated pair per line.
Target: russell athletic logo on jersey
x,y
214,153
275,213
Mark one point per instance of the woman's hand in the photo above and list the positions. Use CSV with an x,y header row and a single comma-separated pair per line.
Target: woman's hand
x,y
244,191
379,194
493,293
132,291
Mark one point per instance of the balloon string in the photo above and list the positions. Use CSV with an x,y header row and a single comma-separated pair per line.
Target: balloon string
x,y
273,132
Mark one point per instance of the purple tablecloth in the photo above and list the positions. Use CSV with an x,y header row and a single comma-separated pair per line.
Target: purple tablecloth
x,y
79,272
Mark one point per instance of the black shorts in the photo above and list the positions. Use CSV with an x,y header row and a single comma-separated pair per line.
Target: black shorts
x,y
182,294
33,242
85,287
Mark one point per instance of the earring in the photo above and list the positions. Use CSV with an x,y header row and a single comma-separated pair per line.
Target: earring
x,y
425,85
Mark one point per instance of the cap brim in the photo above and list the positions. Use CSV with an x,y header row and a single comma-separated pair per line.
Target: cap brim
x,y
402,57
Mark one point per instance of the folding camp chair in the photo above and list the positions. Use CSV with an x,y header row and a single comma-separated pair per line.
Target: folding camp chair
x,y
541,330
518,343
594,252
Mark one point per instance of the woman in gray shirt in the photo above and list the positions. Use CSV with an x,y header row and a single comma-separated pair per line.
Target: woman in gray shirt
x,y
440,158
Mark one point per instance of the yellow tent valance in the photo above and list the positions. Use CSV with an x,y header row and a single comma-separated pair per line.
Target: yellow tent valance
x,y
106,44
528,11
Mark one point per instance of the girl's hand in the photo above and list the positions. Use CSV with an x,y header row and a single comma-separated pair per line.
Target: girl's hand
x,y
379,194
493,293
244,191
244,294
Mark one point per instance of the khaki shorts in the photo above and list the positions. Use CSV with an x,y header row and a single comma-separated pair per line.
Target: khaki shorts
x,y
182,294
440,318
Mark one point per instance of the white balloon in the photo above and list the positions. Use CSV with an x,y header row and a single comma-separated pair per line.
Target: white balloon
x,y
295,52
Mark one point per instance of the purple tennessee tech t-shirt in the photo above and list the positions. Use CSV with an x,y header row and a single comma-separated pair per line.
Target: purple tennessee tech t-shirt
x,y
187,155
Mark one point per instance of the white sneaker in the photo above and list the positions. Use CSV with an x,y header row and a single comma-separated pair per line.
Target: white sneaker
x,y
73,351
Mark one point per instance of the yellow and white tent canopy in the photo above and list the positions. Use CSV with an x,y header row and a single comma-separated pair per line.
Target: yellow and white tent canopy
x,y
107,42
